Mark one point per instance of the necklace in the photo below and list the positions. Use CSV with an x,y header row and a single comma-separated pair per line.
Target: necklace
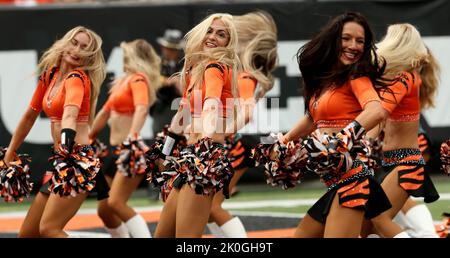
x,y
53,92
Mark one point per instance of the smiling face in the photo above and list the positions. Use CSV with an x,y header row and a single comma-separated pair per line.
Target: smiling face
x,y
352,43
216,36
71,52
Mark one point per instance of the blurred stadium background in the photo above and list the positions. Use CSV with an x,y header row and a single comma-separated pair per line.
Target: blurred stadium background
x,y
29,27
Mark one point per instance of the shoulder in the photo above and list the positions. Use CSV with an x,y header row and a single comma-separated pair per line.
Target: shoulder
x,y
223,68
138,77
408,78
361,79
78,73
359,83
47,75
246,75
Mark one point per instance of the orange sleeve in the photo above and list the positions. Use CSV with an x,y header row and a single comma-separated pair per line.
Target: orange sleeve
x,y
139,90
108,105
364,91
38,95
394,94
74,86
246,87
214,81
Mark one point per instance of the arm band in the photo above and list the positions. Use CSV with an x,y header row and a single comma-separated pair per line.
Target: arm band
x,y
68,138
354,128
170,143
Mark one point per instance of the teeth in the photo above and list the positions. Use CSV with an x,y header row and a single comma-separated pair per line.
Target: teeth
x,y
210,44
349,55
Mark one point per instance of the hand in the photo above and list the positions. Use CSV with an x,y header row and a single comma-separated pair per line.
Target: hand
x,y
354,130
92,137
133,137
228,134
8,157
282,139
187,129
7,160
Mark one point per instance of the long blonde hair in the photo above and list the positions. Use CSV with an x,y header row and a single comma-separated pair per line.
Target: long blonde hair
x,y
94,62
257,32
404,50
196,59
140,57
430,74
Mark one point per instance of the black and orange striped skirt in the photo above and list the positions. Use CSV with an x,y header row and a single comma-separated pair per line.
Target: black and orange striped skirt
x,y
412,176
356,189
240,150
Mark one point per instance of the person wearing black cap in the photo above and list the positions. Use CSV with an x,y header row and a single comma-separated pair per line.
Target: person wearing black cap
x,y
171,53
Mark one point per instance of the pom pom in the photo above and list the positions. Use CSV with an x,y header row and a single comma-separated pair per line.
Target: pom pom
x,y
445,157
284,164
15,178
100,149
206,167
132,159
376,153
153,156
335,153
74,172
171,179
231,141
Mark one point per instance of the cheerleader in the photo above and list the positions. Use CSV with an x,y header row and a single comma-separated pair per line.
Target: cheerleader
x,y
339,68
415,72
202,169
73,69
257,50
127,109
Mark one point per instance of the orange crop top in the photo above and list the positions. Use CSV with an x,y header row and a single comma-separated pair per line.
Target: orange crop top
x,y
339,106
246,85
216,84
131,92
403,102
75,90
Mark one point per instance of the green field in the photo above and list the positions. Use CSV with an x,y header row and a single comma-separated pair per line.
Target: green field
x,y
260,192
315,191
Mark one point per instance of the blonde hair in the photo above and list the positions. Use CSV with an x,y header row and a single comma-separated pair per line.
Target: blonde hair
x,y
430,74
141,57
404,50
94,62
257,32
196,59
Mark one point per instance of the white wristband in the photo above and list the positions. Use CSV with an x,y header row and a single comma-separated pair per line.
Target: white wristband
x,y
168,145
